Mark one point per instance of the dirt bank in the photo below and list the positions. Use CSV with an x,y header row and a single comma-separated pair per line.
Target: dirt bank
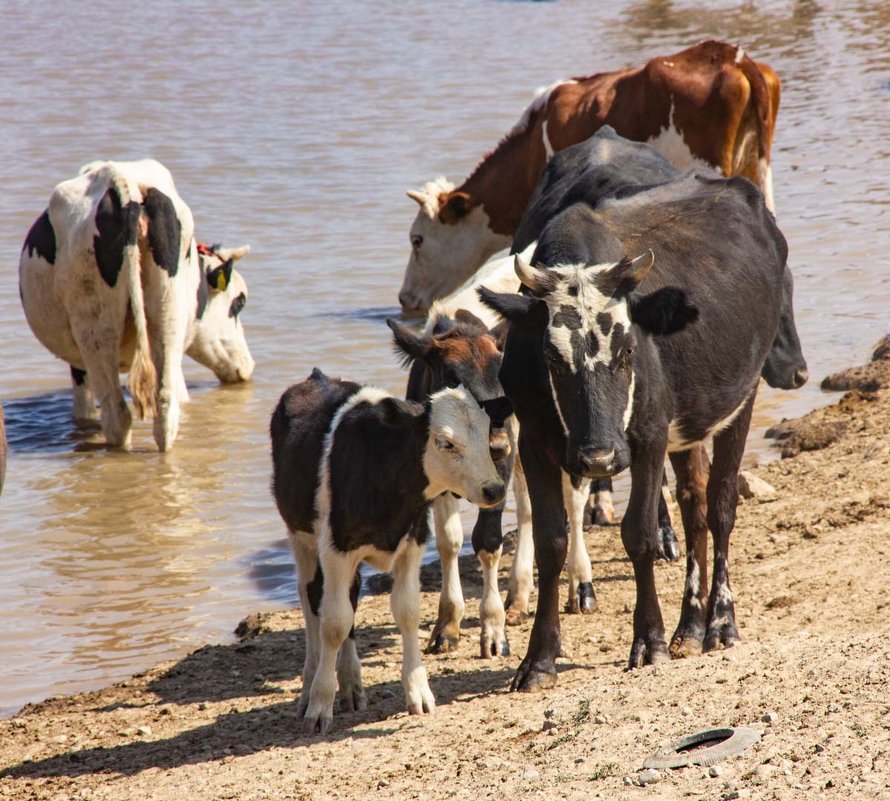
x,y
812,594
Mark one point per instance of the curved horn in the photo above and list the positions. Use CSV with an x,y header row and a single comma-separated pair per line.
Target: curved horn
x,y
639,267
417,196
529,276
232,253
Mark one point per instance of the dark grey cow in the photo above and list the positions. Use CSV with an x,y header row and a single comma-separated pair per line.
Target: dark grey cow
x,y
354,472
613,362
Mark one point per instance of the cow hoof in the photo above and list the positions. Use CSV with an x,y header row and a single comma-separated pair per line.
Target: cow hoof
x,y
647,652
724,637
494,645
441,643
527,680
603,517
353,701
683,646
586,598
319,725
516,616
668,545
423,708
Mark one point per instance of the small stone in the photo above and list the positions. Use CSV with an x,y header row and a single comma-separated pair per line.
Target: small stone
x,y
770,718
18,724
530,774
686,711
715,771
628,780
750,486
202,706
649,776
763,771
145,731
548,724
382,783
553,731
600,719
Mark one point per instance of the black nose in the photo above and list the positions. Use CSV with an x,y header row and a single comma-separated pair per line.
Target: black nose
x,y
801,377
596,461
494,492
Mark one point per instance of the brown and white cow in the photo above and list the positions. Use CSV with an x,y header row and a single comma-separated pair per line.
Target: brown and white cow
x,y
710,104
111,280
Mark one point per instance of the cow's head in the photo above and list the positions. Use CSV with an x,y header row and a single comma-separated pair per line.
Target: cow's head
x,y
219,341
457,457
575,333
785,366
450,240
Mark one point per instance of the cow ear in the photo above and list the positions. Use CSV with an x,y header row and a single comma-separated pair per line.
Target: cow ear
x,y
498,410
219,277
408,345
231,253
510,307
467,317
453,206
665,311
624,277
395,411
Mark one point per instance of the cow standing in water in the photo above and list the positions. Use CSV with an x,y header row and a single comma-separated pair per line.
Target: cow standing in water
x,y
613,362
709,104
354,472
112,280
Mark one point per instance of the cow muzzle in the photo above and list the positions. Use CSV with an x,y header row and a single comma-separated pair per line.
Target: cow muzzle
x,y
594,462
494,493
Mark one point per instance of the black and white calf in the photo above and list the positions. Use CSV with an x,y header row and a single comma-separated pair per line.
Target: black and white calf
x,y
354,471
611,362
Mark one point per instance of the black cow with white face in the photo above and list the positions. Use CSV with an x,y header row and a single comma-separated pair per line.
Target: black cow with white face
x,y
611,362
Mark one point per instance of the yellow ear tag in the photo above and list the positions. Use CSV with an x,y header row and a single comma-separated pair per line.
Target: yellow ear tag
x,y
221,282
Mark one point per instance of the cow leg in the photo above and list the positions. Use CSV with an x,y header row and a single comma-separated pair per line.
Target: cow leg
x,y
519,585
310,587
538,668
171,383
669,548
84,406
349,668
582,598
101,366
336,618
405,604
691,468
723,497
640,535
449,538
488,541
602,510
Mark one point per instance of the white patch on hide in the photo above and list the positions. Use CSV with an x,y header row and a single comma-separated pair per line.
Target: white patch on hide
x,y
669,143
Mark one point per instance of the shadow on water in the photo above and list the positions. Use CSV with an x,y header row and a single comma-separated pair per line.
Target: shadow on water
x,y
374,313
242,671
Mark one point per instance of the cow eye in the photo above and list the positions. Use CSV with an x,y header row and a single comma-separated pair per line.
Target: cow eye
x,y
237,305
416,241
451,380
445,445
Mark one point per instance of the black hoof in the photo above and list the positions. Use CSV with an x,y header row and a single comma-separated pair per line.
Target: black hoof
x,y
586,598
529,681
668,545
441,643
647,652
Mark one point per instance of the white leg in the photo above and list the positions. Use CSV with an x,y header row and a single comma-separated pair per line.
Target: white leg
x,y
349,678
603,507
581,598
170,386
336,618
519,585
306,560
84,406
492,618
449,538
405,603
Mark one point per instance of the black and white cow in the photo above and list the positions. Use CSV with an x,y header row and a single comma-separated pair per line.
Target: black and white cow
x,y
354,471
112,280
612,362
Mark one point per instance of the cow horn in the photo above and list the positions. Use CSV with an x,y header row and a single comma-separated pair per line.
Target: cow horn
x,y
639,267
529,276
232,253
417,196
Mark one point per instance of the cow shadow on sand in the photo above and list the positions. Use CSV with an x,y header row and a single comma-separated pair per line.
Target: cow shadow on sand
x,y
236,673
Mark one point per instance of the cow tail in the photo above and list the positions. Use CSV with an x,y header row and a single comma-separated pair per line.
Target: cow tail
x,y
762,105
143,379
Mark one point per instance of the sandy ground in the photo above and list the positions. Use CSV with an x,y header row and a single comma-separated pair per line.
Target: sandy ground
x,y
810,577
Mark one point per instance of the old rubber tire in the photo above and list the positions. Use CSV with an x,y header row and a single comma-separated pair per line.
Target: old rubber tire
x,y
727,743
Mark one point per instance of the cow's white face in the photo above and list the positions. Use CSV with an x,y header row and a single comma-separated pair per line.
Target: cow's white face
x,y
457,457
219,342
450,240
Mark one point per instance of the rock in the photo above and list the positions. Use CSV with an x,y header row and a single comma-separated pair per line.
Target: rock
x,y
629,780
715,771
530,774
600,719
770,718
649,776
383,783
752,486
145,731
686,711
763,771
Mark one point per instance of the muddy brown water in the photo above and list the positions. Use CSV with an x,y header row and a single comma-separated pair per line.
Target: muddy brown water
x,y
297,129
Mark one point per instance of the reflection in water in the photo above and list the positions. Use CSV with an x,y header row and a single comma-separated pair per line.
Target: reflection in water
x,y
110,562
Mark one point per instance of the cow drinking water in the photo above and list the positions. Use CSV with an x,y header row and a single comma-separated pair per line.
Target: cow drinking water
x,y
112,280
354,471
